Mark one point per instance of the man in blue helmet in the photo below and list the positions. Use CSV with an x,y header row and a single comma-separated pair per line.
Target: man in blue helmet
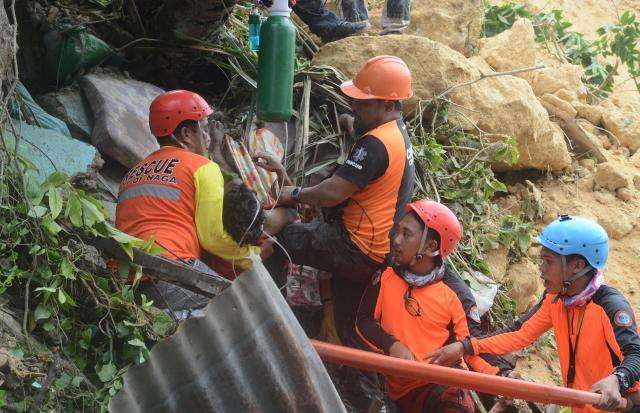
x,y
595,329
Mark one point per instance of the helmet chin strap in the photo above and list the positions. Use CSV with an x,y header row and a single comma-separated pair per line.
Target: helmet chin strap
x,y
421,253
567,281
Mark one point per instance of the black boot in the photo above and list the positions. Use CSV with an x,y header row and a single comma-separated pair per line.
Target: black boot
x,y
345,29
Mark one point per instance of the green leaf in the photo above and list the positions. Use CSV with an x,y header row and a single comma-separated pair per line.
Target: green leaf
x,y
74,210
136,342
77,380
47,289
51,226
37,211
107,372
62,297
48,326
41,313
67,269
55,201
55,179
91,213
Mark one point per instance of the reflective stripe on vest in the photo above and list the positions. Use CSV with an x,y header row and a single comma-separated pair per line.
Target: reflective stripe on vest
x,y
160,191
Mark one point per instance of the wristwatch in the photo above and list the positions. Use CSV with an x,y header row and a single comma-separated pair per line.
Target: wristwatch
x,y
623,380
295,194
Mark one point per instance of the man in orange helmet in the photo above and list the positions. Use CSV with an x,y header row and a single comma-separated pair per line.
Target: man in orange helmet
x,y
371,188
175,197
418,304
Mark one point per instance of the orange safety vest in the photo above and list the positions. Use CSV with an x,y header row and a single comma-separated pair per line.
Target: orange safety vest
x,y
370,213
443,320
157,199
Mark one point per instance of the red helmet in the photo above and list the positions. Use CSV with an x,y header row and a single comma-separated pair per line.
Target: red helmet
x,y
169,109
441,219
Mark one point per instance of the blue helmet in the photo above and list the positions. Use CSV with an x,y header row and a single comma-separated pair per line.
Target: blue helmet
x,y
569,235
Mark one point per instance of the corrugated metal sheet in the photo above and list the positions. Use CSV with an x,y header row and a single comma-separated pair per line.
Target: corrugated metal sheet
x,y
248,354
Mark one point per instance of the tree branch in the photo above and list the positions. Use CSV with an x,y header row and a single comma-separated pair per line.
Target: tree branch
x,y
486,76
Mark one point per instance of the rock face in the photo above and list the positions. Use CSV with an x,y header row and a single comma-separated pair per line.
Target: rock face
x,y
121,111
553,79
456,23
525,284
610,176
512,49
70,106
500,105
625,126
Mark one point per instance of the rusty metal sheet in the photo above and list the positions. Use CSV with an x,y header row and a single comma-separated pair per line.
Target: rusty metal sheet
x,y
247,354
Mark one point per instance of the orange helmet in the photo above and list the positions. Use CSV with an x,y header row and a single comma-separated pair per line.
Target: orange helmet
x,y
382,77
441,219
169,109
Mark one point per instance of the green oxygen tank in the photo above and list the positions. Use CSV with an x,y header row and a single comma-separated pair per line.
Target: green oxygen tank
x,y
276,61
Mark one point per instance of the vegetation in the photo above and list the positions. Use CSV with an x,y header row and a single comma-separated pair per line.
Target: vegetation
x,y
619,40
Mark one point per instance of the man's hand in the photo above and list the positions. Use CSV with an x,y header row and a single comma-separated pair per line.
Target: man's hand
x,y
346,124
269,162
447,355
216,132
285,198
610,391
400,351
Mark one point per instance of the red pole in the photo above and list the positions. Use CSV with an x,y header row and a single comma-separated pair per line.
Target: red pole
x,y
484,383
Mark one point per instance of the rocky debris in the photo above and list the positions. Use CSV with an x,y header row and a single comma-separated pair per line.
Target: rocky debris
x,y
121,113
553,79
636,182
524,277
625,126
617,226
454,23
501,106
611,176
589,112
70,106
512,49
497,260
624,194
558,107
50,151
588,163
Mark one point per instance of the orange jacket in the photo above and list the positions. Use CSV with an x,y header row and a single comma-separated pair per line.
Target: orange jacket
x,y
176,196
370,212
382,320
604,328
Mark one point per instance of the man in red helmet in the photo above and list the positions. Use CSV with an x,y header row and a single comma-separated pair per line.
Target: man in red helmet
x,y
418,304
175,195
369,190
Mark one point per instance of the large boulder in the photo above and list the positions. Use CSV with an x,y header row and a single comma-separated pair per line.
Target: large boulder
x,y
69,105
624,125
121,113
523,277
512,49
456,23
500,106
554,79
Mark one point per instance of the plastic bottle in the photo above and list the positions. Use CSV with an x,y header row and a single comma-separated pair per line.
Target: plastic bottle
x,y
276,61
255,21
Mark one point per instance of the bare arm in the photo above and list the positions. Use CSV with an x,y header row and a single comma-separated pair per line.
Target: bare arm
x,y
328,193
